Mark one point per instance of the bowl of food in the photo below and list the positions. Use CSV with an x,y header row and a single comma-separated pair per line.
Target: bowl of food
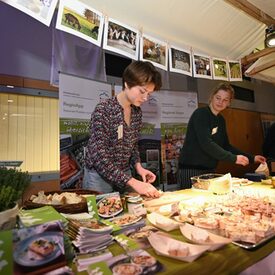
x,y
203,181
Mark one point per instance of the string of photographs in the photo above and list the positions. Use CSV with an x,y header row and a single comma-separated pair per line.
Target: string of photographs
x,y
87,23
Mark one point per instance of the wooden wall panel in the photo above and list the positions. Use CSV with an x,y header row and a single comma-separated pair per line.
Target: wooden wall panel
x,y
245,132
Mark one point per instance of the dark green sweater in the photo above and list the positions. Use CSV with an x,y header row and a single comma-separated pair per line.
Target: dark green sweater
x,y
207,142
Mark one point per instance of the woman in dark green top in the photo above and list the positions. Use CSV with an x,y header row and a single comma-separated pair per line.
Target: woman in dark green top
x,y
207,142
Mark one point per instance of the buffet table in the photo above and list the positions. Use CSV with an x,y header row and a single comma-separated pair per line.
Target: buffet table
x,y
230,259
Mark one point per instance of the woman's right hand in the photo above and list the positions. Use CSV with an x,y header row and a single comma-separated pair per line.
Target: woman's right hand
x,y
144,188
242,160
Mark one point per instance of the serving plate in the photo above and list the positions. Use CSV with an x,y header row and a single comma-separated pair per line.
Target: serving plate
x,y
251,246
126,219
163,245
109,206
194,233
162,222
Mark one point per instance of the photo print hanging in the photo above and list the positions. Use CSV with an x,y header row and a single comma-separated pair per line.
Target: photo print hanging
x,y
220,69
180,60
202,66
41,10
155,51
235,70
81,20
121,39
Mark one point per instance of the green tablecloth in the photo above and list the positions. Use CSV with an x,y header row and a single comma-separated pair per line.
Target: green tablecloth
x,y
230,259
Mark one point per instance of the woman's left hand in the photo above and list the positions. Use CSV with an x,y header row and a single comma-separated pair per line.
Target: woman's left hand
x,y
260,159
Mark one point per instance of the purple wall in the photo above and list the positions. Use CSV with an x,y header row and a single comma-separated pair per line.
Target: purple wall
x,y
26,45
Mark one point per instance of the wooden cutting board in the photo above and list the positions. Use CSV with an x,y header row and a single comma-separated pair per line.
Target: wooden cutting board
x,y
166,198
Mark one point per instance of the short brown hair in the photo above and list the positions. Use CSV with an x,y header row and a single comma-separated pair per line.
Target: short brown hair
x,y
140,73
223,86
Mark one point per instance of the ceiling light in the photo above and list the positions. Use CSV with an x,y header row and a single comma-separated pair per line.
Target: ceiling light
x,y
270,36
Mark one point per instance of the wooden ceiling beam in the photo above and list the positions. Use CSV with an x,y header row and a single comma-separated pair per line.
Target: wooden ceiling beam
x,y
261,68
252,10
254,56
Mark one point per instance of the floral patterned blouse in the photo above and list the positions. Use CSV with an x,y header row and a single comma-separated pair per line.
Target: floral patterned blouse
x,y
113,145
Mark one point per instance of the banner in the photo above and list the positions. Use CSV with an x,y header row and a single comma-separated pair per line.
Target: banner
x,y
77,99
176,109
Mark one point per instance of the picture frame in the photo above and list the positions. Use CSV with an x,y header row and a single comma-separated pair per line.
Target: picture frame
x,y
121,38
154,50
80,20
180,60
42,10
220,69
235,70
202,66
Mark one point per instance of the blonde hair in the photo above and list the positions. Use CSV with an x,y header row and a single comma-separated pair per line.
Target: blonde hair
x,y
225,87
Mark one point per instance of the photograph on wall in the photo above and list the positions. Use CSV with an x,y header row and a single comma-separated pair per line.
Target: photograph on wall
x,y
180,60
202,66
155,51
220,69
41,10
235,70
121,39
81,20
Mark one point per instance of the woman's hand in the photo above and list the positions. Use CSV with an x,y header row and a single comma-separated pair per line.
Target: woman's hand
x,y
147,175
143,188
242,160
260,159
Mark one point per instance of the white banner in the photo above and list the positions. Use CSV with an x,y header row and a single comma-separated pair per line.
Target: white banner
x,y
177,107
78,96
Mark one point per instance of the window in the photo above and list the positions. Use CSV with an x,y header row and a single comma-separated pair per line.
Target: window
x,y
30,131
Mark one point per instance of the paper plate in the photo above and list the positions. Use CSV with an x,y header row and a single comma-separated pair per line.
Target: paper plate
x,y
162,222
201,236
164,245
125,220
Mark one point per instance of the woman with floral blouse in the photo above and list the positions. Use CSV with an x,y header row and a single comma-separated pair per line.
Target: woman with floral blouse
x,y
115,126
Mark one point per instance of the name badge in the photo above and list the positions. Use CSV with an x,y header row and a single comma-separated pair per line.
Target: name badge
x,y
120,132
214,130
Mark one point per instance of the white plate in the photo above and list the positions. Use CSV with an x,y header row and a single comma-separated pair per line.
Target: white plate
x,y
133,220
162,244
110,205
214,241
162,222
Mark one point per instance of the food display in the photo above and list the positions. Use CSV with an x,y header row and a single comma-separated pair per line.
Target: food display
x,y
162,222
127,269
109,206
167,246
201,236
144,260
215,183
57,199
243,219
126,219
203,181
